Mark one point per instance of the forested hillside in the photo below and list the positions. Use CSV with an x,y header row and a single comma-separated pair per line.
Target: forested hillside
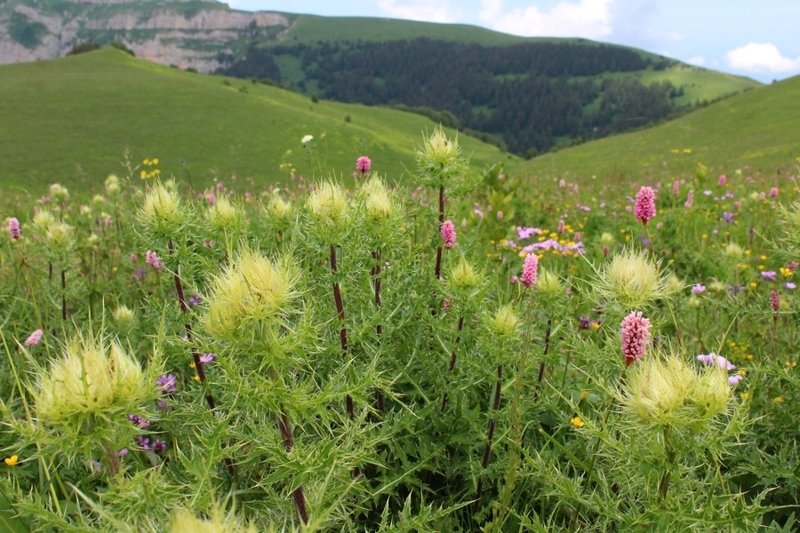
x,y
527,97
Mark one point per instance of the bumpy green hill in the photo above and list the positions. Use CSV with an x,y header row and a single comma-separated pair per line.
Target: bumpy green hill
x,y
71,120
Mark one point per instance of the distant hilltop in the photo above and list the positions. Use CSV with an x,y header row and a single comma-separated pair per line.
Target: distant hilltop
x,y
185,33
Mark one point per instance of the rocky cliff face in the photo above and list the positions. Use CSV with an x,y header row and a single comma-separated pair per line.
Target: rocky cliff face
x,y
182,33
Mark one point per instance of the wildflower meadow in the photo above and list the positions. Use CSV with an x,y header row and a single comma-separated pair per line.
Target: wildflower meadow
x,y
459,350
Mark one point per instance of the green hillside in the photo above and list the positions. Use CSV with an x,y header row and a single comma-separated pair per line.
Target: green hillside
x,y
71,119
757,128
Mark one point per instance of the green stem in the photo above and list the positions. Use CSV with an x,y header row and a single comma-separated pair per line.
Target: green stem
x,y
663,485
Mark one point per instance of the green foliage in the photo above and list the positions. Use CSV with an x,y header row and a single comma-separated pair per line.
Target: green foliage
x,y
321,372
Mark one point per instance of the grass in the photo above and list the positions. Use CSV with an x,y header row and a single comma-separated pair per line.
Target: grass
x,y
74,117
755,129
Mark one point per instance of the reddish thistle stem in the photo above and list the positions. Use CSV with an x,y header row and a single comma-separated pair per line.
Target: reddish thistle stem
x,y
438,268
453,359
337,297
63,295
298,495
198,365
487,451
376,274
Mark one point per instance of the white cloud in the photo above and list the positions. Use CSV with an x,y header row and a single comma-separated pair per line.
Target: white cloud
x,y
699,61
430,11
580,18
761,57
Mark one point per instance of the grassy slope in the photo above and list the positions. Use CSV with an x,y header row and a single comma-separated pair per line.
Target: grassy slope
x,y
70,120
757,128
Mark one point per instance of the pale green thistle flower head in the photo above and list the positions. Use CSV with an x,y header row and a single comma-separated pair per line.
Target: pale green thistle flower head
x,y
224,215
123,315
505,321
549,284
161,211
327,205
251,293
733,251
185,521
59,236
463,277
668,391
379,206
42,220
790,221
112,185
93,376
632,279
279,210
59,192
439,159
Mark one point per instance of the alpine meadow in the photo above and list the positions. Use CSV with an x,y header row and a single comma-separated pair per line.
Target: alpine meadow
x,y
312,301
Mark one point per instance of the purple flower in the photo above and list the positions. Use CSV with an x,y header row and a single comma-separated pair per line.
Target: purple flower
x,y
728,216
123,452
734,380
634,336
162,405
143,442
195,299
133,257
13,228
34,338
774,300
166,382
530,270
140,274
152,259
584,322
139,421
525,233
790,286
159,446
448,233
714,359
698,288
363,164
645,204
769,275
723,179
773,192
207,358
689,200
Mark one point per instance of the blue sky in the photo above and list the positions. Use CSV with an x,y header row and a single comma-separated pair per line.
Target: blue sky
x,y
756,39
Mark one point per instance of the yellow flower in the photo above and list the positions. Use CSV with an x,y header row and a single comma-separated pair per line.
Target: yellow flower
x,y
577,422
584,394
11,461
196,378
745,396
778,399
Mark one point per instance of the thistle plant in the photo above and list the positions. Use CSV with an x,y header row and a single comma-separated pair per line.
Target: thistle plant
x,y
631,280
464,283
248,304
327,207
83,397
441,167
503,330
665,394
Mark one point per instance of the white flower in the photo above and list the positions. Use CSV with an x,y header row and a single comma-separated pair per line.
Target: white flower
x,y
306,139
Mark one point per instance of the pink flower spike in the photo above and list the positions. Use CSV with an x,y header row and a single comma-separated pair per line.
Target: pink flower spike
x,y
634,337
645,205
363,164
13,228
34,338
448,233
530,270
